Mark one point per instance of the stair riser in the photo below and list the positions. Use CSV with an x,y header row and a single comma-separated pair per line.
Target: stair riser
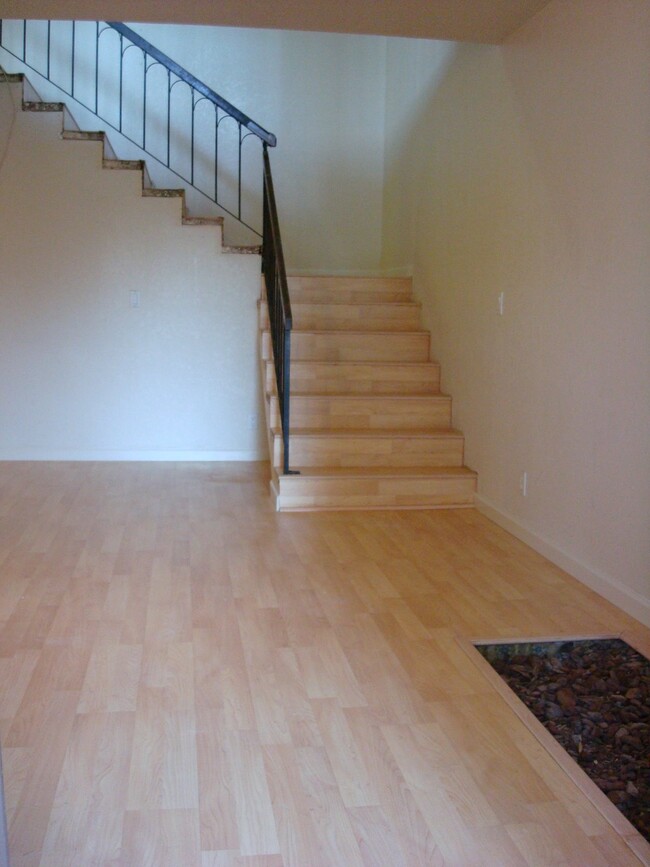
x,y
350,317
349,296
352,289
368,451
309,494
333,346
371,379
362,413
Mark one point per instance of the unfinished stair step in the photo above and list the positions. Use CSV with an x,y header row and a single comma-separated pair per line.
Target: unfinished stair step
x,y
357,377
123,165
349,289
366,412
202,221
375,488
354,345
86,135
155,193
334,316
12,77
243,249
40,105
392,448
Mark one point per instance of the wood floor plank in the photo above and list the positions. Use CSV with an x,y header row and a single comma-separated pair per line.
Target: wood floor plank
x,y
217,809
377,843
298,710
15,675
190,678
112,678
164,772
293,817
334,837
95,771
234,859
392,696
253,809
409,830
352,776
160,838
83,835
220,677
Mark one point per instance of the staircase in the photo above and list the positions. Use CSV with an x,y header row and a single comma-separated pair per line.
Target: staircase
x,y
370,428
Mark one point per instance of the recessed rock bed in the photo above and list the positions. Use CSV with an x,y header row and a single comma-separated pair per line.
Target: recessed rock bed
x,y
594,698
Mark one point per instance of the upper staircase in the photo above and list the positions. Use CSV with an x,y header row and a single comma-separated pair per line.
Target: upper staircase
x,y
369,427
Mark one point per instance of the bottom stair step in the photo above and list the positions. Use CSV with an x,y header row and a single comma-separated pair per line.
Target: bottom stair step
x,y
340,488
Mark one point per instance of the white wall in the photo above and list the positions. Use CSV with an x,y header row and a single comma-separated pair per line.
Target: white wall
x,y
84,375
525,169
323,97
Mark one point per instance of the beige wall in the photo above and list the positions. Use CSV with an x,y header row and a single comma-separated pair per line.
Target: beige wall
x,y
523,169
82,373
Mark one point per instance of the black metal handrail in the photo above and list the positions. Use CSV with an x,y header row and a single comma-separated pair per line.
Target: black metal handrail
x,y
279,304
193,82
34,44
273,266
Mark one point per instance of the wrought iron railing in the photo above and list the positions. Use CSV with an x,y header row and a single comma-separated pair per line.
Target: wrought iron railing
x,y
137,96
279,304
151,101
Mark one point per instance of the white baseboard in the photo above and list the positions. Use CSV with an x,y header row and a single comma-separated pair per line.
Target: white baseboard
x,y
118,455
628,600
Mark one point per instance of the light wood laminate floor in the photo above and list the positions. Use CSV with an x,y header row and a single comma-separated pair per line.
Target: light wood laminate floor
x,y
190,679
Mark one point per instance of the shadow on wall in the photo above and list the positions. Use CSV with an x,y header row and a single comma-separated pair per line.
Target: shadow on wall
x,y
524,173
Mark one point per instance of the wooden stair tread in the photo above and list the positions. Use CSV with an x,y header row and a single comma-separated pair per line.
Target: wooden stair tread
x,y
387,377
384,472
369,303
375,488
351,332
374,314
392,433
352,363
354,279
416,395
377,398
350,288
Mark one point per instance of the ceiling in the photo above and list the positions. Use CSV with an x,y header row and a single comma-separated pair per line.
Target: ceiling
x,y
489,21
